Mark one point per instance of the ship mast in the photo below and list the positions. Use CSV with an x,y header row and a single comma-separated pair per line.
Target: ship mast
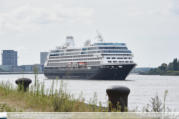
x,y
99,37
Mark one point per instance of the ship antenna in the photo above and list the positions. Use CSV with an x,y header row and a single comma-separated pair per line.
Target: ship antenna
x,y
99,36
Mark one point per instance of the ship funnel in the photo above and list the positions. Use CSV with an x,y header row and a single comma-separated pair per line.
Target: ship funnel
x,y
70,42
87,43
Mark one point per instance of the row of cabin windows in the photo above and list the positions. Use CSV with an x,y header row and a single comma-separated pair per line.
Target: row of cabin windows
x,y
71,56
120,61
74,59
112,47
69,50
67,64
92,52
94,48
61,54
118,58
107,51
87,55
116,54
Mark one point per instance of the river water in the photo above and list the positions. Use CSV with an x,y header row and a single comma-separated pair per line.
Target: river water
x,y
142,87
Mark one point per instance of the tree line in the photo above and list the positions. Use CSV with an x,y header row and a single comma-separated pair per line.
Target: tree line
x,y
166,68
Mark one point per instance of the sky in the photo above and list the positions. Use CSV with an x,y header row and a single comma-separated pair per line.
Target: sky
x,y
150,28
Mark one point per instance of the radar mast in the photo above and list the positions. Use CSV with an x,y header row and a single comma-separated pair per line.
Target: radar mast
x,y
99,37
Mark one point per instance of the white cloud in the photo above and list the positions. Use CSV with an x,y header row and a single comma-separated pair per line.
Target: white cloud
x,y
149,8
175,8
28,17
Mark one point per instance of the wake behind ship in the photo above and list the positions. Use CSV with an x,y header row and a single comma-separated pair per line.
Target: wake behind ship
x,y
99,61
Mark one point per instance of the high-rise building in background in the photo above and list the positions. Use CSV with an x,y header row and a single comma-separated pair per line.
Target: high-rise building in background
x,y
43,57
9,57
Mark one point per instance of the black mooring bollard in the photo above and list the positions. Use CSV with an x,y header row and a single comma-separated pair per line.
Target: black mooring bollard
x,y
23,83
118,98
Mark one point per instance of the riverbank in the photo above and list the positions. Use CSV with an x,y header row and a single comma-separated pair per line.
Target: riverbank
x,y
167,73
39,100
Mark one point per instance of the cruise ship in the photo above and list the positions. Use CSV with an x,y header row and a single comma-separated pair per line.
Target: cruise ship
x,y
98,61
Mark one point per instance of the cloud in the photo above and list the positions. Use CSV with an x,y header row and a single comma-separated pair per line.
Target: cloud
x,y
28,17
175,8
150,8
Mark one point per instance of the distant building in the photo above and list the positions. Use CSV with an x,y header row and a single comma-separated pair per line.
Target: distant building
x,y
43,57
9,57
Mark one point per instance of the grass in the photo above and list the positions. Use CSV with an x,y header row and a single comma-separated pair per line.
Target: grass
x,y
157,105
37,99
41,100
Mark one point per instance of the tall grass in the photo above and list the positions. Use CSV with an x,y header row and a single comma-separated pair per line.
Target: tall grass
x,y
52,100
157,105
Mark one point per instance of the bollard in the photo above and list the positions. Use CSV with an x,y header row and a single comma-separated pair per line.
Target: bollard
x,y
118,98
23,83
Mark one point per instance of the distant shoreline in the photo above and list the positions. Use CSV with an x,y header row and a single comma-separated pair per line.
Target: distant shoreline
x,y
162,74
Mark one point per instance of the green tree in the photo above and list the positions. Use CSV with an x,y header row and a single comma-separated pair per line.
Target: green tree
x,y
170,66
178,66
163,67
175,64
